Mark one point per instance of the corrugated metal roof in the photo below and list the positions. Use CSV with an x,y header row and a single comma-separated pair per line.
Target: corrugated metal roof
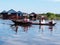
x,y
11,11
4,11
19,12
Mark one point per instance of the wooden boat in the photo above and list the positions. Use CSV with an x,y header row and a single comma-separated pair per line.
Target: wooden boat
x,y
19,22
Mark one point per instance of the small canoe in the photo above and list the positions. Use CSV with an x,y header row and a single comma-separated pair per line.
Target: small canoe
x,y
30,23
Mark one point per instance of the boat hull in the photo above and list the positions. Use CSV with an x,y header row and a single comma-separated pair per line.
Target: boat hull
x,y
31,23
44,24
22,23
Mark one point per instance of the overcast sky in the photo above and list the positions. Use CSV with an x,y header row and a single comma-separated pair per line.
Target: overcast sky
x,y
28,6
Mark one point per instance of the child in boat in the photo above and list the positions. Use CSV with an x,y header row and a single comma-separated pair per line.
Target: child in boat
x,y
51,21
26,19
42,20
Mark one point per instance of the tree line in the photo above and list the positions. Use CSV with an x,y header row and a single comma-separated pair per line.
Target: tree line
x,y
50,15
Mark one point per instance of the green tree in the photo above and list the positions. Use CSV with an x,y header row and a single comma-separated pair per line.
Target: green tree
x,y
51,15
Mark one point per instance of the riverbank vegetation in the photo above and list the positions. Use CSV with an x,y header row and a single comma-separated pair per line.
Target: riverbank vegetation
x,y
50,15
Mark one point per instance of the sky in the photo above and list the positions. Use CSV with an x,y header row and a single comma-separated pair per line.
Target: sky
x,y
28,6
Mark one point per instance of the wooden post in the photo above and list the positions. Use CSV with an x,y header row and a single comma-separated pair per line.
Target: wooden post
x,y
17,17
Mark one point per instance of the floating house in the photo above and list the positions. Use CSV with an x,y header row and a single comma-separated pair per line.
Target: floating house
x,y
4,14
15,15
25,15
12,14
20,15
1,16
32,15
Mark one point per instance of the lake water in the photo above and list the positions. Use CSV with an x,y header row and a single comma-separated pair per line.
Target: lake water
x,y
33,35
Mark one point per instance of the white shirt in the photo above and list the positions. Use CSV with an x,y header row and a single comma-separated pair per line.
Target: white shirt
x,y
43,21
53,21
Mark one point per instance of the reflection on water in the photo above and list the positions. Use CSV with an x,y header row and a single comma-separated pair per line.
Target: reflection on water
x,y
51,28
26,28
42,28
36,34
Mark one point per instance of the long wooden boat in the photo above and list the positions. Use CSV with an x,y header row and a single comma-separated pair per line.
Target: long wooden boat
x,y
21,22
18,22
44,24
